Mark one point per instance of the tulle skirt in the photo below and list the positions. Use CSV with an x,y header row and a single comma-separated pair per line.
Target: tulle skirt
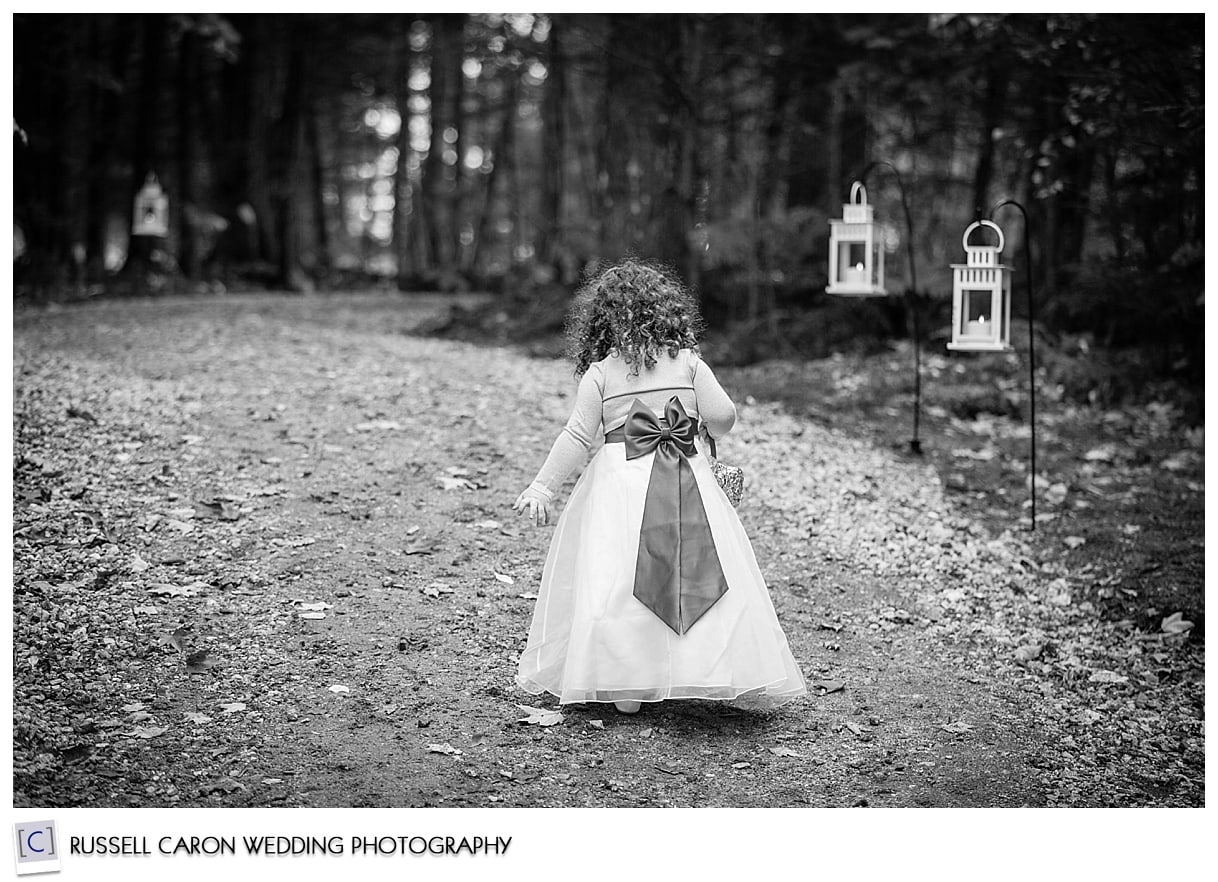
x,y
592,640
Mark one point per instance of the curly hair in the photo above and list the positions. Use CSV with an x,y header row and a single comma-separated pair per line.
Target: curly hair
x,y
636,307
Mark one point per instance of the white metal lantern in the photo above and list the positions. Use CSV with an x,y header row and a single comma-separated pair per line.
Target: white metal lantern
x,y
151,217
856,249
981,296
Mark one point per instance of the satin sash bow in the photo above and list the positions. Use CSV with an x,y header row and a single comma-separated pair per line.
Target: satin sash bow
x,y
677,575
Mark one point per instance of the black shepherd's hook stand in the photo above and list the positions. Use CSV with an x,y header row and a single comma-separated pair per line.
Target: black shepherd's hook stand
x,y
1027,250
911,294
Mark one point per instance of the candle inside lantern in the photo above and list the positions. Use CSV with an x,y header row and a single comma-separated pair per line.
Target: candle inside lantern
x,y
856,274
976,328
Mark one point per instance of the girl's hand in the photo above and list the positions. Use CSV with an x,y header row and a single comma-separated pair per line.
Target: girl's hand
x,y
538,506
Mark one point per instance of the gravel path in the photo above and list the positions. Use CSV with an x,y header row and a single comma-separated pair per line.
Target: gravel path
x,y
264,555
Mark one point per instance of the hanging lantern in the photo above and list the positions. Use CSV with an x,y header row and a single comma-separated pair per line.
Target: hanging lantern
x,y
856,249
981,296
151,216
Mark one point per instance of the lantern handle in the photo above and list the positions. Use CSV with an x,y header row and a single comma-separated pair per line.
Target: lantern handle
x,y
984,223
856,190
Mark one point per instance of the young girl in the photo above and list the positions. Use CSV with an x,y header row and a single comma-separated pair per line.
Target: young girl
x,y
650,590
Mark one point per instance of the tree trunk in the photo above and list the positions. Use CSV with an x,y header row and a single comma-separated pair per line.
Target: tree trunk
x,y
402,228
185,205
438,183
835,143
112,49
554,152
262,49
499,153
147,155
678,201
317,180
74,199
992,109
291,148
611,145
458,177
771,192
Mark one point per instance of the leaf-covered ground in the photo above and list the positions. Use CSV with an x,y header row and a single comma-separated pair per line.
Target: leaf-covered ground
x,y
264,555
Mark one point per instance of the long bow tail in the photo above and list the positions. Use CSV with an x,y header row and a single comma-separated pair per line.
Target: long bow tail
x,y
677,575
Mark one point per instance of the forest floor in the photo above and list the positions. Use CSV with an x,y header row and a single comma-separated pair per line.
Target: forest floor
x,y
264,555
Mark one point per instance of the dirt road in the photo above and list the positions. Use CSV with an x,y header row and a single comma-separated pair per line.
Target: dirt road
x,y
264,555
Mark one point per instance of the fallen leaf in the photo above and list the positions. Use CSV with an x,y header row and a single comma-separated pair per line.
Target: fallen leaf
x,y
829,686
134,707
339,687
785,751
853,727
597,724
1074,541
146,732
1106,676
138,564
741,765
539,716
1176,624
309,607
200,662
379,426
1105,453
225,785
196,718
527,596
957,728
1028,652
506,580
312,615
1180,461
444,748
646,733
1056,494
167,590
139,717
233,707
269,781
668,767
487,525
449,483
422,545
218,509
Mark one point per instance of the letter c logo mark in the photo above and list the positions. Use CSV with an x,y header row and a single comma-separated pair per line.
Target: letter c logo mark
x,y
29,842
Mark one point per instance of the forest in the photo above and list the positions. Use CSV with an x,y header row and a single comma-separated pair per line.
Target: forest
x,y
509,153
289,292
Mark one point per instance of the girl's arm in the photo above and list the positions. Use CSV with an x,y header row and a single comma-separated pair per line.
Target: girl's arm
x,y
569,448
715,408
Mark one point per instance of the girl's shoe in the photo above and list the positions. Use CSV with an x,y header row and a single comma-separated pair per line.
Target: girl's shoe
x,y
628,707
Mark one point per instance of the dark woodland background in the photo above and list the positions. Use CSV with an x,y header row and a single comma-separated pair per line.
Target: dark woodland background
x,y
508,153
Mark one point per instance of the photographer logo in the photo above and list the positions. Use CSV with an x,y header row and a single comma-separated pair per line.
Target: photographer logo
x,y
36,847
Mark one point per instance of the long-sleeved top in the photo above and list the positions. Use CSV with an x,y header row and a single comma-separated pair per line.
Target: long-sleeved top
x,y
606,393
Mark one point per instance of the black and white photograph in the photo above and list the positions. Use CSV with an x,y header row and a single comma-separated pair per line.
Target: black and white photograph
x,y
607,410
